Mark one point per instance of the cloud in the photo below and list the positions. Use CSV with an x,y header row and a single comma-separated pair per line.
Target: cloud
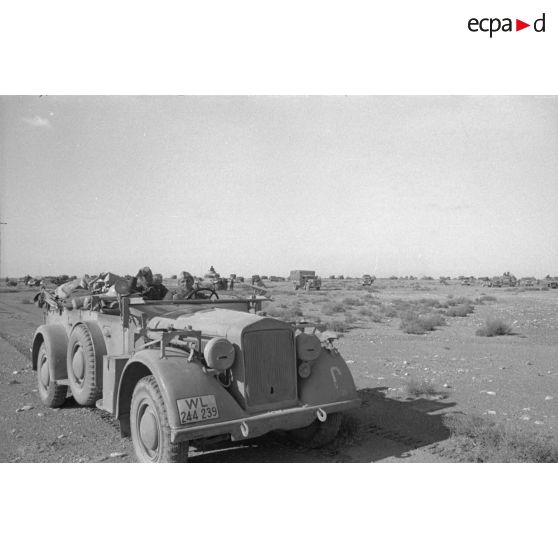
x,y
37,122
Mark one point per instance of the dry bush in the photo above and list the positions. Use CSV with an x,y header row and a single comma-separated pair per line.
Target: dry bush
x,y
349,318
431,302
314,319
373,315
352,301
330,308
288,313
417,324
335,325
461,310
388,310
494,327
483,441
452,301
4,290
485,298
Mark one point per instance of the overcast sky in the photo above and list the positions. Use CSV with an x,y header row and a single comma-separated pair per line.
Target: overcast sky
x,y
385,185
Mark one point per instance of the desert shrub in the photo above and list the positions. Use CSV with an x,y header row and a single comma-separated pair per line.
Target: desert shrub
x,y
349,318
452,301
483,441
416,388
388,310
411,322
352,301
485,298
289,313
460,310
494,327
429,302
419,287
335,325
372,315
330,308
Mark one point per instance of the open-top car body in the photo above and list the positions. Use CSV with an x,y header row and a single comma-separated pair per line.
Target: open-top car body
x,y
197,370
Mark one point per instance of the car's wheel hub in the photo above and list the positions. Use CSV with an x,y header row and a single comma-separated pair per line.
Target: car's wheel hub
x,y
149,431
78,365
44,374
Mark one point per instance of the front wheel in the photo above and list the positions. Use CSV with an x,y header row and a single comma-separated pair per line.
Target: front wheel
x,y
318,433
150,426
50,392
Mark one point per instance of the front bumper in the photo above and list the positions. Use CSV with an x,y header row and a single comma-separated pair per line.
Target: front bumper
x,y
253,426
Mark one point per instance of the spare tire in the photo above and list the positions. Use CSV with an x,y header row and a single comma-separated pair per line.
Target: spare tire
x,y
81,365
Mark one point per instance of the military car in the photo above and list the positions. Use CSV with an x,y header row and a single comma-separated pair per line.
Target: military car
x,y
367,280
194,371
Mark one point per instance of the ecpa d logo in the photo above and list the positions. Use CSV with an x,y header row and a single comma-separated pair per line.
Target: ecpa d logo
x,y
492,25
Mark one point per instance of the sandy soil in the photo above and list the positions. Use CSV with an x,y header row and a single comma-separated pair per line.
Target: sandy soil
x,y
512,379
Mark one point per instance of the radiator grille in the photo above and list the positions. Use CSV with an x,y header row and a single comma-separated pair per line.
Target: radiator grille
x,y
269,368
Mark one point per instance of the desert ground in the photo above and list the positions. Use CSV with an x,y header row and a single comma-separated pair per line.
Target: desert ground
x,y
429,395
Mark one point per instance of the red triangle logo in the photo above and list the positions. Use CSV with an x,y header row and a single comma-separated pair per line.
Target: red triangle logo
x,y
519,25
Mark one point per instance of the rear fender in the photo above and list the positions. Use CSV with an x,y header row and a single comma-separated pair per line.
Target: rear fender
x,y
177,378
56,342
330,380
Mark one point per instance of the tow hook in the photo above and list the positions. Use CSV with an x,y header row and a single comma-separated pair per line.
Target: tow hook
x,y
244,429
322,415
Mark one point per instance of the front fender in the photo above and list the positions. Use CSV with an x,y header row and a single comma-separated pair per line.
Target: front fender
x,y
330,380
55,338
177,378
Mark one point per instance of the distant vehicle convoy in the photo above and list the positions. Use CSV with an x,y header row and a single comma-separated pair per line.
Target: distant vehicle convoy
x,y
307,279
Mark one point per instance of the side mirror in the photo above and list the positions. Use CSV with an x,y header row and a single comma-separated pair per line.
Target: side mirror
x,y
122,287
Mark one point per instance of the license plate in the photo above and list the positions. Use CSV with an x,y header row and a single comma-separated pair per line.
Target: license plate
x,y
197,409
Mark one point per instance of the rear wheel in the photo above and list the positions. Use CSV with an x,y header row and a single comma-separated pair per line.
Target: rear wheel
x,y
150,426
318,433
81,365
51,393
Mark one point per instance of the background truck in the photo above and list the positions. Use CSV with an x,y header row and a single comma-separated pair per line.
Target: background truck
x,y
303,279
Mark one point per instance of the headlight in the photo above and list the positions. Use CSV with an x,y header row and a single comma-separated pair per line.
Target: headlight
x,y
308,346
219,353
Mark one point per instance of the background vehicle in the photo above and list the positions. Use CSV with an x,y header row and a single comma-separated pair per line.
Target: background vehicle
x,y
367,280
303,279
191,371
